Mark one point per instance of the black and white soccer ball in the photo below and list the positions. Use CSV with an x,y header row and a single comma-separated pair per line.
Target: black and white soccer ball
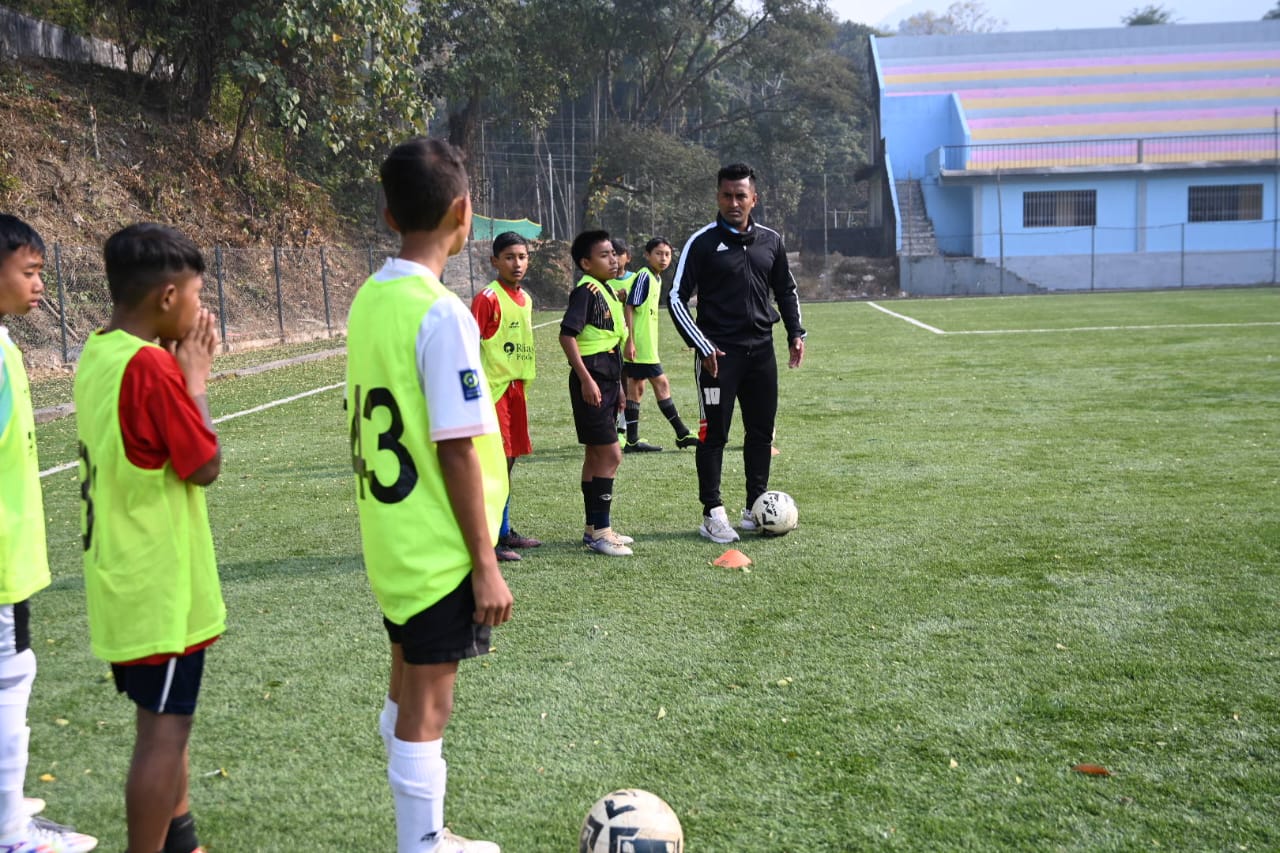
x,y
775,513
631,821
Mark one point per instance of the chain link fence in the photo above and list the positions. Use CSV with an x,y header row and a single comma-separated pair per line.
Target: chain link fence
x,y
1201,254
262,295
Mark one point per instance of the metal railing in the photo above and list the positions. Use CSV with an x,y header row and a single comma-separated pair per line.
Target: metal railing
x,y
1261,147
261,295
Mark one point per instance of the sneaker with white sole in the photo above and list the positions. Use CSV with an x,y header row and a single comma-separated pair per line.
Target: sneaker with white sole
x,y
614,536
450,843
717,528
32,806
605,543
45,836
747,523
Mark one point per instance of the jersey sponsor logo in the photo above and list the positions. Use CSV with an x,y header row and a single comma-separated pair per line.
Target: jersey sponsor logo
x,y
470,384
711,396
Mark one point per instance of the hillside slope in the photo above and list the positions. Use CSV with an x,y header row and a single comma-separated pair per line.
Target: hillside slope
x,y
83,157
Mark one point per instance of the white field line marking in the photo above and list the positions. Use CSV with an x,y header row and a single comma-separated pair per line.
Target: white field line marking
x,y
548,323
1114,328
910,320
69,465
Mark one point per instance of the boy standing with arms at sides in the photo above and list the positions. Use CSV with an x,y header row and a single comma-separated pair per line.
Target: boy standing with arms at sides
x,y
430,479
640,360
592,333
504,313
147,447
24,563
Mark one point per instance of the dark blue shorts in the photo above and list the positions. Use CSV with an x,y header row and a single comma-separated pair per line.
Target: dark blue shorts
x,y
444,632
162,688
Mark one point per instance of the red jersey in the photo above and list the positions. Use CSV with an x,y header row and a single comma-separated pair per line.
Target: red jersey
x,y
160,422
488,312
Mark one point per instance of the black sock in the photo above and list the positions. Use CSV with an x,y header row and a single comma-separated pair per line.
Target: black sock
x,y
668,409
601,501
633,421
181,837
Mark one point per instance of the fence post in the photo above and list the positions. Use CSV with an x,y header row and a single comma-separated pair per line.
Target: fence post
x,y
218,275
275,254
1093,254
1182,256
370,250
324,289
62,307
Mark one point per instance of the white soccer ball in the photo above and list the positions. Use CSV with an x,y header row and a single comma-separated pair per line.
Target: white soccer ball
x,y
775,513
631,821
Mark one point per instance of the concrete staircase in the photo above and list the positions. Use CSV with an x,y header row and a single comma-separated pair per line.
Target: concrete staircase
x,y
918,238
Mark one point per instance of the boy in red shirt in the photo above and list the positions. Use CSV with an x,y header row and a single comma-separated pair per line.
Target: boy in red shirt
x,y
504,313
146,447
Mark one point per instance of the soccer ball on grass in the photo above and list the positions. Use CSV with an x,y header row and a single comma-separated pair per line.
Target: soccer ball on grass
x,y
631,821
775,513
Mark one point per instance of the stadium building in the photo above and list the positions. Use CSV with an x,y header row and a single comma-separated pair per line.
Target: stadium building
x,y
1133,157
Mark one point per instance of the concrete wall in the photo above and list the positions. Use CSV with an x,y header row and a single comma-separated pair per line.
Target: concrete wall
x,y
937,276
934,120
1146,270
21,35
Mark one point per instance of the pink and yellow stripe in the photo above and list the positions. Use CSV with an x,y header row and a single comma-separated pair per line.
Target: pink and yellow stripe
x,y
1257,60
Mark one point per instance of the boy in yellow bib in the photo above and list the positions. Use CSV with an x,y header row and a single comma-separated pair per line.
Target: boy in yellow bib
x,y
24,564
504,313
431,479
147,449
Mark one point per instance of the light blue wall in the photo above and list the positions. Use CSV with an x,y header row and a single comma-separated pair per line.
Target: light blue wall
x,y
1136,212
1167,206
915,125
951,211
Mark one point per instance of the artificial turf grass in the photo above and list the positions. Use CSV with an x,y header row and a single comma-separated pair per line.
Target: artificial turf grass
x,y
1013,556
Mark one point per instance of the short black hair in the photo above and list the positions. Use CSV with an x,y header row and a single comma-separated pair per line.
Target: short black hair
x,y
584,243
655,242
619,246
16,234
420,178
735,172
144,256
506,240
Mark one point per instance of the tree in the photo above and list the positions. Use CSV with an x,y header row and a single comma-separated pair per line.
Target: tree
x,y
1273,14
1148,15
314,69
963,16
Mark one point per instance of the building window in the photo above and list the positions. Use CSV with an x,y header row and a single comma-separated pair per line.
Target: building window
x,y
1224,203
1060,209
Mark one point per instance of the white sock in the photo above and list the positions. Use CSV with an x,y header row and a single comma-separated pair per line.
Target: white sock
x,y
387,723
417,776
17,672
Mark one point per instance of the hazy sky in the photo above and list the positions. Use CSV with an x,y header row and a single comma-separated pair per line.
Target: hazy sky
x,y
1077,14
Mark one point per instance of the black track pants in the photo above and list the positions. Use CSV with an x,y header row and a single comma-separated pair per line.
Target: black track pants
x,y
751,378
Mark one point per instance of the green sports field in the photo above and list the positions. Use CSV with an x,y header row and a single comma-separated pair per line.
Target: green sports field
x,y
1035,532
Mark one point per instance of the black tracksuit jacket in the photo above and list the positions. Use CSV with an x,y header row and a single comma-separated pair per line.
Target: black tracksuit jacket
x,y
737,278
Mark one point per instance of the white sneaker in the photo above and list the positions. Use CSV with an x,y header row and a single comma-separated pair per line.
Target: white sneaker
x,y
45,836
614,536
450,843
32,806
747,523
717,528
606,543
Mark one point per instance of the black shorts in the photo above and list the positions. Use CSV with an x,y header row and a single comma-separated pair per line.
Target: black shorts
x,y
596,424
171,687
444,632
635,370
